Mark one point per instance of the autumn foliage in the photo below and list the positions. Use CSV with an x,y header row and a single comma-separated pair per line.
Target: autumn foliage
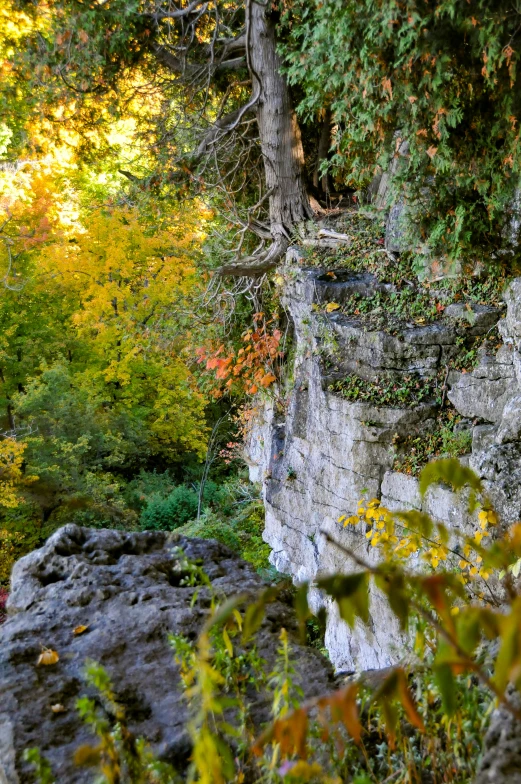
x,y
254,366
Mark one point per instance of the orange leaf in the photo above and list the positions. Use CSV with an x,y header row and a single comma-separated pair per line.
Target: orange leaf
x,y
344,709
408,703
48,656
268,379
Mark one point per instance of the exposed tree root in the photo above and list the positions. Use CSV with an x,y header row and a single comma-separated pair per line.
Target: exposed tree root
x,y
252,266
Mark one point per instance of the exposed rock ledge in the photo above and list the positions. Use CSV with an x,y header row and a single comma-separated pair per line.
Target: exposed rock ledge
x,y
126,587
319,459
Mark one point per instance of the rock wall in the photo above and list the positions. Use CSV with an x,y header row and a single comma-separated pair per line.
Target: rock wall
x,y
129,589
324,453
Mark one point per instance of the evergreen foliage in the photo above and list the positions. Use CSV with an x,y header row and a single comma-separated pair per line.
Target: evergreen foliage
x,y
441,76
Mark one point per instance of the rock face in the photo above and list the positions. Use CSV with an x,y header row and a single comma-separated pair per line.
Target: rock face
x,y
128,589
501,763
325,453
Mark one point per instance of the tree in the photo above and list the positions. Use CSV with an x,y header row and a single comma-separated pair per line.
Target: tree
x,y
434,85
219,108
95,349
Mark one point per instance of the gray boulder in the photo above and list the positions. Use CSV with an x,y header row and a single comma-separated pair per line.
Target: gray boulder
x,y
501,762
128,589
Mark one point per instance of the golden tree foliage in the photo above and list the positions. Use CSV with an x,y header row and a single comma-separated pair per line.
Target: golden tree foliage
x,y
12,477
96,321
130,292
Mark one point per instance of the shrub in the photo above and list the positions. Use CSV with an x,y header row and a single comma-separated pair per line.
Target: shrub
x,y
9,551
210,526
166,514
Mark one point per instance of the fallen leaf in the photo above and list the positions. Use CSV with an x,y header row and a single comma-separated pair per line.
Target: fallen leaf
x,y
48,656
331,306
80,630
58,708
87,755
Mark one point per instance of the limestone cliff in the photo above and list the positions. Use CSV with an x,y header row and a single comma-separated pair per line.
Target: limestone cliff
x,y
319,457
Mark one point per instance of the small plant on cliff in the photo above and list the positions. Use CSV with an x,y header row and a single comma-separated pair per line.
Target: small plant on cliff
x,y
3,600
408,390
448,439
253,366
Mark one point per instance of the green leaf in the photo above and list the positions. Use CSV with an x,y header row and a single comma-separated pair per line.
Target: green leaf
x,y
447,686
509,656
393,585
224,611
351,593
418,522
451,472
254,614
302,609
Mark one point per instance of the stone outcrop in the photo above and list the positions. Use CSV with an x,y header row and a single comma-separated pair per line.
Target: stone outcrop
x,y
501,761
129,589
324,453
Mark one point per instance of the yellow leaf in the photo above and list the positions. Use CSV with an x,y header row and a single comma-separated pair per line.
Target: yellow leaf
x,y
48,656
80,630
228,643
87,755
238,619
331,306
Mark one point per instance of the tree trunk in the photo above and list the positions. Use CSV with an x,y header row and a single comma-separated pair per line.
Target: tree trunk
x,y
279,133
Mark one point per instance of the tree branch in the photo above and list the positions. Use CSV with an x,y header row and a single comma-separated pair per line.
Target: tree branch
x,y
179,13
252,266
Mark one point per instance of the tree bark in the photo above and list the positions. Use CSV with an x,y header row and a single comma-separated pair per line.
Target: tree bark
x,y
279,133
